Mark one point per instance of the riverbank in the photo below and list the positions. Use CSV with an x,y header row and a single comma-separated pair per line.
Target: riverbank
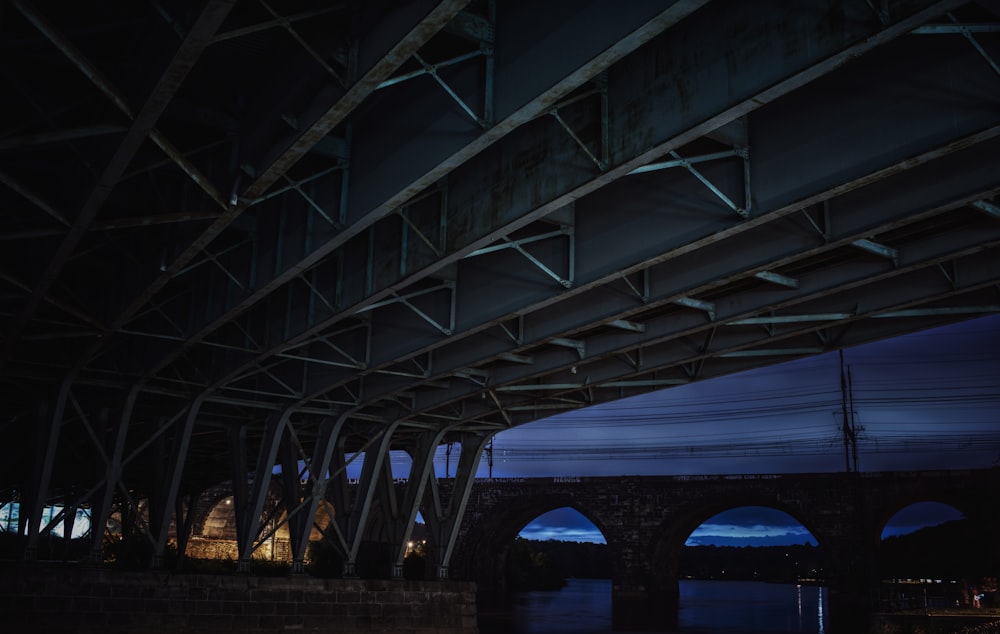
x,y
938,621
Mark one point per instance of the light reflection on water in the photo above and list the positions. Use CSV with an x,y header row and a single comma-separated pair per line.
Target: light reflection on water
x,y
706,607
710,607
583,606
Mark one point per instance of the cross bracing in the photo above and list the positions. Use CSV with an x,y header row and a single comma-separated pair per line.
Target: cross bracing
x,y
232,229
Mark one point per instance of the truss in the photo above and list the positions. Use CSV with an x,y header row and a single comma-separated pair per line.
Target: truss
x,y
260,234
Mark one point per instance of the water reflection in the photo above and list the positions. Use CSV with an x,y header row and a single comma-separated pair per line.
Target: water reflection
x,y
798,592
820,610
710,607
707,607
583,606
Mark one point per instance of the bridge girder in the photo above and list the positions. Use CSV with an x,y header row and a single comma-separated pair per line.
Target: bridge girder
x,y
441,219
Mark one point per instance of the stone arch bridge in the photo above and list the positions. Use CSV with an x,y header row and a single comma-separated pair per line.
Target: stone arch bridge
x,y
646,521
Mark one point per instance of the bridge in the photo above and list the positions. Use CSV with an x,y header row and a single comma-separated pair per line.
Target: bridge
x,y
239,235
646,520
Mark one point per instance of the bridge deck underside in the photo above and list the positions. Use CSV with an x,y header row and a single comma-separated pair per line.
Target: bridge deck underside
x,y
239,235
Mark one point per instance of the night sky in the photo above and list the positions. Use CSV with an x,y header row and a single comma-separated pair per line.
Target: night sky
x,y
923,401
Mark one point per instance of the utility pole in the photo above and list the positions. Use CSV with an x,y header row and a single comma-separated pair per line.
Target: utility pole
x,y
848,426
854,424
489,457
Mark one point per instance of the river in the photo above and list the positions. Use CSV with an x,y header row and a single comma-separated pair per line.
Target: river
x,y
706,607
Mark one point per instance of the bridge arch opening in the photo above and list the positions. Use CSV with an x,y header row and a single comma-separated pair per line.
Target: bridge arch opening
x,y
564,524
731,565
550,562
918,516
931,555
552,548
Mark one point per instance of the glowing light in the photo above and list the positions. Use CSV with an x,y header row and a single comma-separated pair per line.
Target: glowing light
x,y
819,630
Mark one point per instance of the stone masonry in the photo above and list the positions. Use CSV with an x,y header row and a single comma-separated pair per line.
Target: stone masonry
x,y
37,599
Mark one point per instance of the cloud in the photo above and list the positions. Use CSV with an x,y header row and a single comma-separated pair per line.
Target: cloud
x,y
748,535
542,532
755,530
563,524
750,526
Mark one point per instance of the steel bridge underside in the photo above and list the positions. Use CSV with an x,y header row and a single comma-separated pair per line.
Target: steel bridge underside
x,y
239,234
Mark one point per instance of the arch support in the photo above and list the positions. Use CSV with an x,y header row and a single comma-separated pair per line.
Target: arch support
x,y
315,489
444,518
350,524
249,514
112,477
421,471
171,501
851,579
645,593
31,524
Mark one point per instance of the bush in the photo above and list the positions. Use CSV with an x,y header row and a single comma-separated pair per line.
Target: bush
x,y
324,560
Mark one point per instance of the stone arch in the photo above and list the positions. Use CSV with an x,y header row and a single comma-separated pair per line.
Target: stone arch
x,y
660,580
958,554
520,521
643,518
206,503
674,530
883,525
970,495
213,527
219,521
486,546
213,531
886,512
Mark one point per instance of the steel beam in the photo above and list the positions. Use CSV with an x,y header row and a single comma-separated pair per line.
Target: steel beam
x,y
354,525
862,298
175,473
142,126
444,518
326,443
348,276
601,260
387,50
422,454
31,524
621,31
112,476
512,211
249,526
237,438
919,254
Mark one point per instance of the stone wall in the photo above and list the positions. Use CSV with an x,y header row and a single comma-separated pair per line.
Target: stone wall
x,y
83,600
201,548
270,550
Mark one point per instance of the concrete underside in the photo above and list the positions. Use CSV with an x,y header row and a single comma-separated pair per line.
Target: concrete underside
x,y
42,599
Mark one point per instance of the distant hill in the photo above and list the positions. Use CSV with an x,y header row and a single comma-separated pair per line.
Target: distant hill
x,y
780,564
953,550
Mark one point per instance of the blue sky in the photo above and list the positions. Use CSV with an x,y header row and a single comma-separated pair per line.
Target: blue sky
x,y
928,400
744,526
